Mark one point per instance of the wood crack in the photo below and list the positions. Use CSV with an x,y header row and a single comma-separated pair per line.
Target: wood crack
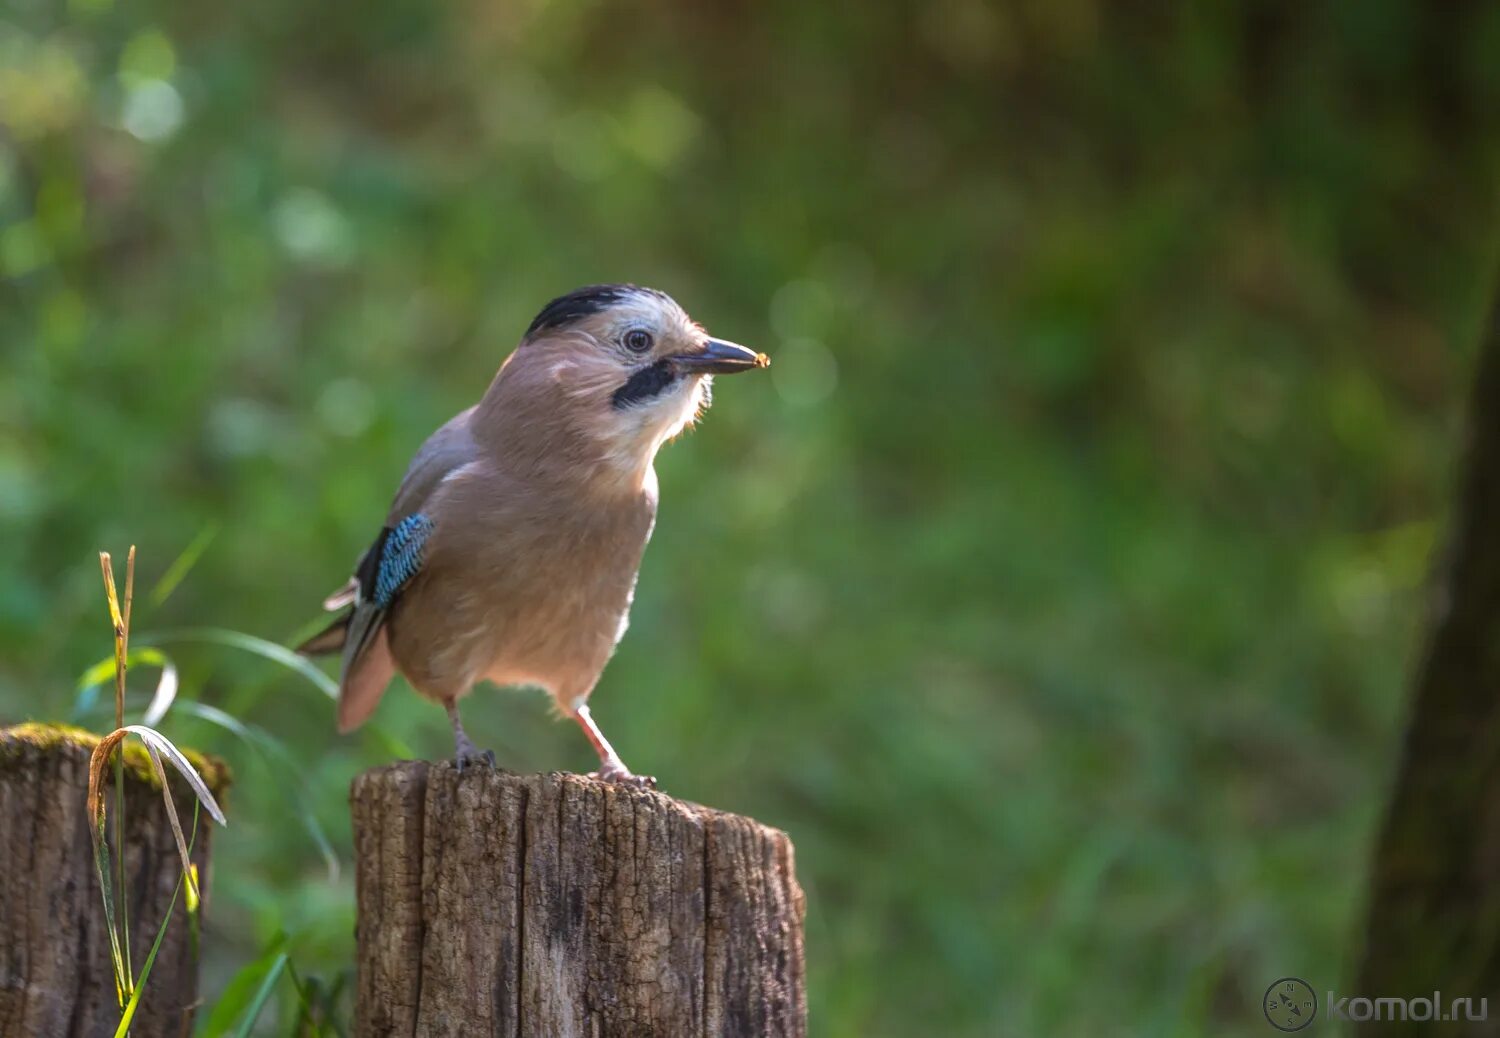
x,y
520,945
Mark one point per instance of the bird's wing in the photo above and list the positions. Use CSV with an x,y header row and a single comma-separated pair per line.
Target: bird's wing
x,y
388,567
382,572
390,564
447,450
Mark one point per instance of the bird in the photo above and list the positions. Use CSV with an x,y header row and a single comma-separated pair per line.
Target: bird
x,y
511,550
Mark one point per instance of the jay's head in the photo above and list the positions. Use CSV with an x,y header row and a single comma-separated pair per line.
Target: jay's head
x,y
627,365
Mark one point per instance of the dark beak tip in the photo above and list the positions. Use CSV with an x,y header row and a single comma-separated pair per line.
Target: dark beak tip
x,y
721,358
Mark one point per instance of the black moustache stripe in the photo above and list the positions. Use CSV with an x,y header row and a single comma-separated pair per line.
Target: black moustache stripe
x,y
644,384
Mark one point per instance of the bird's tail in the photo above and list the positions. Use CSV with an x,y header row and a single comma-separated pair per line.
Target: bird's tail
x,y
358,636
329,640
367,666
332,638
366,673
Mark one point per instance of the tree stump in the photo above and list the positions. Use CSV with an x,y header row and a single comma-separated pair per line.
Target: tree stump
x,y
55,975
529,905
1434,893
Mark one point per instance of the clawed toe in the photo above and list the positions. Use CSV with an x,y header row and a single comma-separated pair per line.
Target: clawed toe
x,y
621,775
464,750
471,755
612,768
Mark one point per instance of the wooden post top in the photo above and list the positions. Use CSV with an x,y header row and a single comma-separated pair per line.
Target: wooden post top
x,y
491,903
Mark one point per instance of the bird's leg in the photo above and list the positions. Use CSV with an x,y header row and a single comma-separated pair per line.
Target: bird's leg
x,y
464,748
611,767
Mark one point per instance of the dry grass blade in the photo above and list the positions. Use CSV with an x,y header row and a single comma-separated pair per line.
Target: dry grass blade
x,y
97,763
166,693
188,871
111,748
95,805
125,627
159,743
121,623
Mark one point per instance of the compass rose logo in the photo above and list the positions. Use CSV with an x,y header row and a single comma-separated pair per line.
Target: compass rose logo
x,y
1290,1004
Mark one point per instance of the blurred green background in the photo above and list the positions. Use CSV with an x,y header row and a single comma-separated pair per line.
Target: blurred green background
x,y
1056,587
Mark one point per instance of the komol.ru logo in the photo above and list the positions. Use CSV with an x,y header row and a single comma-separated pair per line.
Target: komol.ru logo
x,y
1290,1004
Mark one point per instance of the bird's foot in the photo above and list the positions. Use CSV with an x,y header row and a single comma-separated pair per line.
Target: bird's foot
x,y
474,756
465,752
616,771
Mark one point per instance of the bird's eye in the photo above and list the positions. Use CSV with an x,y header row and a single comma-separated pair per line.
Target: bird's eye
x,y
637,341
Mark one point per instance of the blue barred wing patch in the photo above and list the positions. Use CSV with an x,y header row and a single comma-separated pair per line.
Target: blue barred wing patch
x,y
401,556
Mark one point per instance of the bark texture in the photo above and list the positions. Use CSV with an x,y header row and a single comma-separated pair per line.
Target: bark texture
x,y
1434,911
55,975
557,905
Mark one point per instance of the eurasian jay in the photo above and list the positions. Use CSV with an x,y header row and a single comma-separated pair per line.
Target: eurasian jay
x,y
511,551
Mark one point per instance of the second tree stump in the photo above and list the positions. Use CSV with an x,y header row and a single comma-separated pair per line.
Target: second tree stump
x,y
55,975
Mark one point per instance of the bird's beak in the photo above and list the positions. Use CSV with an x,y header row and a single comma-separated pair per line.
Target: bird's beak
x,y
719,358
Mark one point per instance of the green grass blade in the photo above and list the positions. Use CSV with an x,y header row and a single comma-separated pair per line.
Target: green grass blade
x,y
183,564
316,1004
258,1005
161,931
280,762
91,680
104,670
307,995
102,866
140,984
331,1003
247,643
234,1001
124,903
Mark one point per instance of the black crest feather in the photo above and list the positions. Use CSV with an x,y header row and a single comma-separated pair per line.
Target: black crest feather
x,y
582,302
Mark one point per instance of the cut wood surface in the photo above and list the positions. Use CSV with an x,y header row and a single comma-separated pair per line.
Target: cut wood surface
x,y
526,905
55,974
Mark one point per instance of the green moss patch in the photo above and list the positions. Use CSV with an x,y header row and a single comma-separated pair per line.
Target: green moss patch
x,y
38,736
